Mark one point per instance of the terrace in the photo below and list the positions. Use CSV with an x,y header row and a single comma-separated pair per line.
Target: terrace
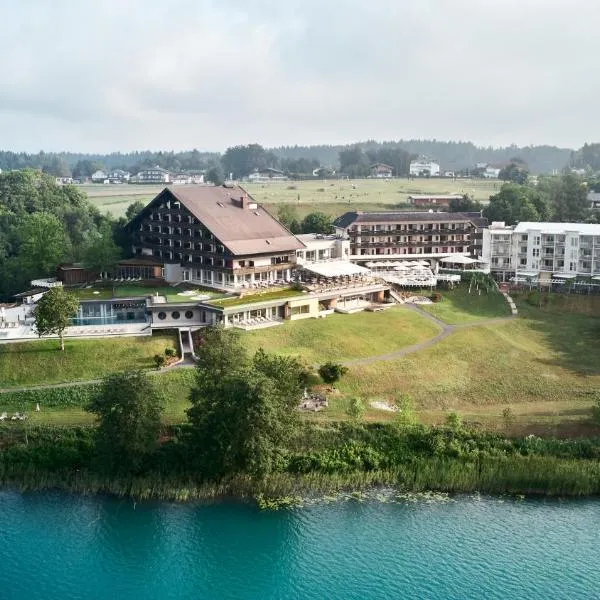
x,y
103,291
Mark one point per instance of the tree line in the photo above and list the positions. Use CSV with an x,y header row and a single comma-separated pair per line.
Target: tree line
x,y
241,160
43,224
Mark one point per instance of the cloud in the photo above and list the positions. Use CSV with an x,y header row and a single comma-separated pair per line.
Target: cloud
x,y
126,74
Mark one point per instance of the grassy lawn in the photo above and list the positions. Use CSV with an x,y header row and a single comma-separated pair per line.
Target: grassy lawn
x,y
38,362
458,306
342,337
547,358
258,297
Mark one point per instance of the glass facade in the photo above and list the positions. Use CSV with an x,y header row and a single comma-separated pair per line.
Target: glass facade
x,y
109,312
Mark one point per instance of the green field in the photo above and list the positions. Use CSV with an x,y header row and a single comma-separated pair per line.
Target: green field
x,y
458,306
39,362
344,337
333,197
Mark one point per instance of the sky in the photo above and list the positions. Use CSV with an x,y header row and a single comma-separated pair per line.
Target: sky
x,y
121,75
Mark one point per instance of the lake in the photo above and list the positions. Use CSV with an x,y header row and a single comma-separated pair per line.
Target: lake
x,y
56,546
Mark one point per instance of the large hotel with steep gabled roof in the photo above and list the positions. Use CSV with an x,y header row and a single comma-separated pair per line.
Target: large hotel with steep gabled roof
x,y
216,236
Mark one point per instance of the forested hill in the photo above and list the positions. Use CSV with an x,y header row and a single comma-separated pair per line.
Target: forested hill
x,y
451,155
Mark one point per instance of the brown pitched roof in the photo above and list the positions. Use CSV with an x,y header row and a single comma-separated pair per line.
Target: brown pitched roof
x,y
242,230
350,218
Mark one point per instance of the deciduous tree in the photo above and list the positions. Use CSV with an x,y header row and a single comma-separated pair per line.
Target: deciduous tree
x,y
317,222
53,313
243,412
128,407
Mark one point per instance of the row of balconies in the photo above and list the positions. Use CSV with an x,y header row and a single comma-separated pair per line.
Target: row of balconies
x,y
364,232
409,244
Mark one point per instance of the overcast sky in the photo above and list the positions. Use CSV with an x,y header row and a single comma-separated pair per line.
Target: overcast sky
x,y
113,75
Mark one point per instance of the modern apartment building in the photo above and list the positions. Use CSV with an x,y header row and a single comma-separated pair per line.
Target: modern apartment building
x,y
542,250
408,233
214,236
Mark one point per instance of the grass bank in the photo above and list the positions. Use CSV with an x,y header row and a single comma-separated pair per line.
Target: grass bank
x,y
457,306
42,362
340,459
342,337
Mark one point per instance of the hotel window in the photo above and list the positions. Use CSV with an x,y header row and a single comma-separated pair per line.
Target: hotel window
x,y
536,252
536,240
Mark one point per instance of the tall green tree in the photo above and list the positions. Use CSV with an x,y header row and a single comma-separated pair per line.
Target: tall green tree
x,y
514,203
128,407
464,204
44,244
288,216
515,172
568,199
134,209
243,160
54,312
215,175
243,412
101,254
317,222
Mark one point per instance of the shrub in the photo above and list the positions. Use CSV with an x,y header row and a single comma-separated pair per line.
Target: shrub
x,y
159,360
356,409
170,352
435,297
331,372
453,421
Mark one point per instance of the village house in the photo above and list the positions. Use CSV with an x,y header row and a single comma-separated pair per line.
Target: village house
x,y
381,171
424,167
99,176
154,175
119,176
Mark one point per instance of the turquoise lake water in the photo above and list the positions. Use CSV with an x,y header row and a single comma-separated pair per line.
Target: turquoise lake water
x,y
55,546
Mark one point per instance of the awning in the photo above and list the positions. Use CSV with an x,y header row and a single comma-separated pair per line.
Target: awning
x,y
564,275
336,269
459,259
596,277
526,274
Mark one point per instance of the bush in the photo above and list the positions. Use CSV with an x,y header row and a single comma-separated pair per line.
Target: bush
x,y
159,360
356,409
170,352
435,297
331,372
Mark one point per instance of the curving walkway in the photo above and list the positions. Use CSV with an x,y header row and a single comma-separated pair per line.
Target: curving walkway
x,y
189,363
446,331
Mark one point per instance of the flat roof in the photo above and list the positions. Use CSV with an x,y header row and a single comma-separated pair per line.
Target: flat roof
x,y
336,269
558,228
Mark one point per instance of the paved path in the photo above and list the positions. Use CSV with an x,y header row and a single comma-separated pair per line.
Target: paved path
x,y
189,363
446,331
